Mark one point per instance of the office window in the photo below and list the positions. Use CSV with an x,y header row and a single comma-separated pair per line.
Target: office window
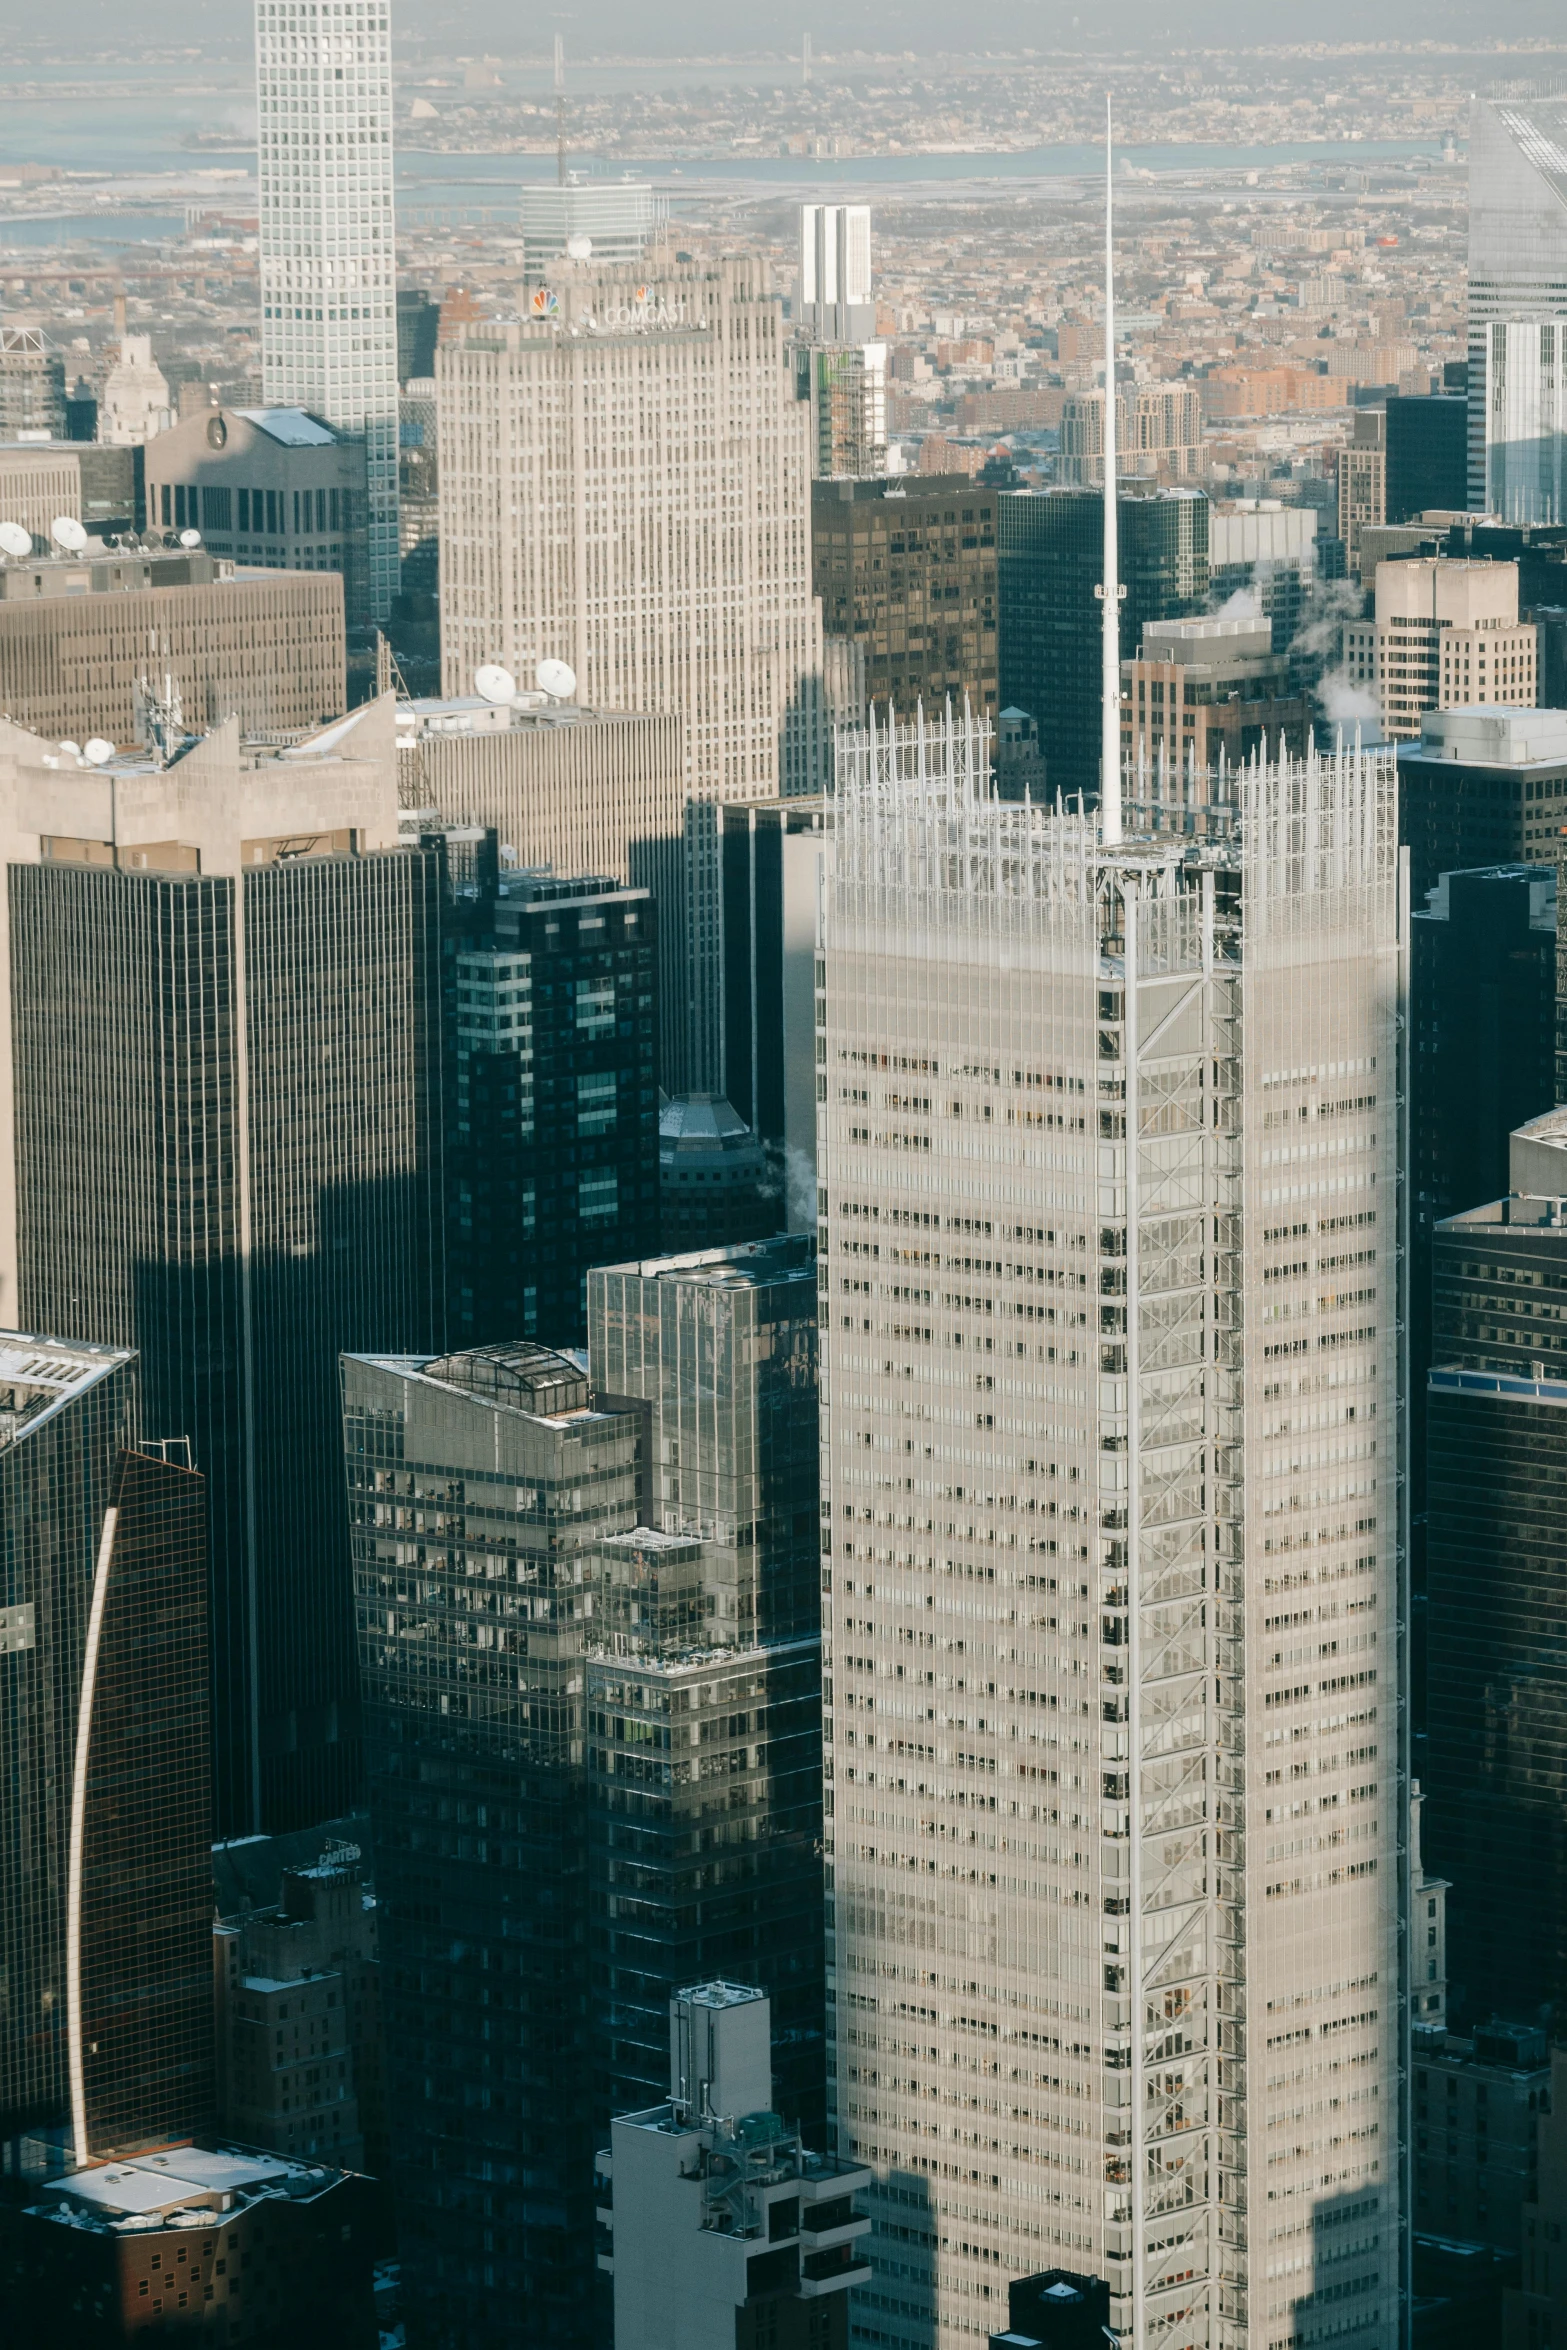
x,y
244,509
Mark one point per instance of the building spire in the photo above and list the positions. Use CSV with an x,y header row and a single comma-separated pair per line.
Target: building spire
x,y
1110,717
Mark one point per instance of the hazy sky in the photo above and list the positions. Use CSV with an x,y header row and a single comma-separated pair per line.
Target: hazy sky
x,y
683,27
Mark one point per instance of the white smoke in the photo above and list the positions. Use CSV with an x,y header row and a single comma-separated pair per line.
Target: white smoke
x,y
1346,704
1242,604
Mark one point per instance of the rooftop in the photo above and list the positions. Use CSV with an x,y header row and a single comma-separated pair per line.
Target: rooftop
x,y
295,428
40,1376
180,2186
1484,734
786,1256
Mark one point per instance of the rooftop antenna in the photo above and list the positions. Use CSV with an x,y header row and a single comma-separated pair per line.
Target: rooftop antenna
x,y
560,110
1111,590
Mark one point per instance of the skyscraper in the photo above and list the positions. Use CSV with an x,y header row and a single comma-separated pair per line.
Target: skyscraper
x,y
479,1485
720,1347
1496,1477
1050,561
220,1144
648,428
105,1834
1518,308
907,569
1111,1640
835,303
552,1157
328,252
1427,454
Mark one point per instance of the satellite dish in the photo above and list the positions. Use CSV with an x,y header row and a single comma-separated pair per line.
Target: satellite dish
x,y
557,679
71,750
492,683
68,533
190,538
579,247
97,750
14,540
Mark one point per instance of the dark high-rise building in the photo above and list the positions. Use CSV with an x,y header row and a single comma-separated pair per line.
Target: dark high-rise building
x,y
553,1152
1482,787
715,1184
589,1631
1050,563
223,984
1427,454
1483,1017
418,324
1496,1484
721,1348
479,1486
105,1817
907,568
773,852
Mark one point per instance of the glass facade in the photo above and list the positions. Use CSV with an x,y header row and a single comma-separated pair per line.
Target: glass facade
x,y
553,1072
147,2050
910,573
1496,1498
704,1782
1483,1017
64,1414
1517,307
106,2033
478,1488
1050,562
247,1184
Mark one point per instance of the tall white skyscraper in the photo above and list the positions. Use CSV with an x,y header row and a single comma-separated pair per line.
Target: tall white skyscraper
x,y
1112,1628
1518,308
625,485
835,303
328,242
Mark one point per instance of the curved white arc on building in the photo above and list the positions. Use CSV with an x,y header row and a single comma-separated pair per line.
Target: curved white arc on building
x,y
73,1897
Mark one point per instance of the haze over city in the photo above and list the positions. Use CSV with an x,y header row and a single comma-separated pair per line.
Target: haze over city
x,y
783,1177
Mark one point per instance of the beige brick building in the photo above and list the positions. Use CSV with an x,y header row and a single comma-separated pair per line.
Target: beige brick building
x,y
1446,635
77,636
625,485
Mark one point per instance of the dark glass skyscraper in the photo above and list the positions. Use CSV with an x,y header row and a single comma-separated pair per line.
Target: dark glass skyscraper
x,y
722,1349
224,1002
1483,1016
1496,1779
479,1485
588,1619
105,1813
553,1151
1427,454
1050,562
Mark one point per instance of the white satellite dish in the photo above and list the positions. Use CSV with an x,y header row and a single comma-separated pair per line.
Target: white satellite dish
x,y
579,247
71,750
68,533
190,538
97,750
557,679
14,540
492,683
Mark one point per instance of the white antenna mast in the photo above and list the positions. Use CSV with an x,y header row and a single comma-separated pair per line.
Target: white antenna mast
x,y
1111,590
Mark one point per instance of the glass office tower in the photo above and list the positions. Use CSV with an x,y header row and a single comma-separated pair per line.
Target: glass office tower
x,y
105,1794
1518,307
1050,557
479,1485
224,1103
1496,1497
